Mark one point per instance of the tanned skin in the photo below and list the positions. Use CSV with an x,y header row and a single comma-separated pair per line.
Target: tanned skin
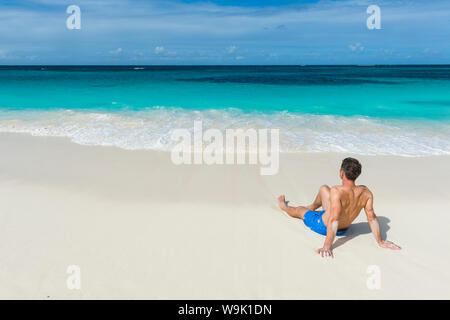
x,y
342,204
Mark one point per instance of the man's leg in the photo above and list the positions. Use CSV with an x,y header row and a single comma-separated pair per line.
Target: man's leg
x,y
322,200
294,212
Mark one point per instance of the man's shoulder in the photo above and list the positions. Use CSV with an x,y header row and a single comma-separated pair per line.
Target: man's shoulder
x,y
365,191
363,187
338,190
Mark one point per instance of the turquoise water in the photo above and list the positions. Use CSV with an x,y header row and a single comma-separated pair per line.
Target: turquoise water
x,y
403,110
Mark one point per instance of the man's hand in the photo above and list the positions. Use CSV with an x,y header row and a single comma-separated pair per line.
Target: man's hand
x,y
325,252
389,245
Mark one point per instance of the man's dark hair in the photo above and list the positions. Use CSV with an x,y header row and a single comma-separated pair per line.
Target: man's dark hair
x,y
351,168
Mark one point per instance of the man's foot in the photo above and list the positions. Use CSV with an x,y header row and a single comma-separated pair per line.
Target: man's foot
x,y
282,202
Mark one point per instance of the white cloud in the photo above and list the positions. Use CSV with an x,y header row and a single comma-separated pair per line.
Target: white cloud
x,y
430,51
159,49
388,51
357,47
116,51
231,49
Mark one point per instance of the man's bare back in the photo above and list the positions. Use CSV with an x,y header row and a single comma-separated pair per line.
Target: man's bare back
x,y
341,205
352,199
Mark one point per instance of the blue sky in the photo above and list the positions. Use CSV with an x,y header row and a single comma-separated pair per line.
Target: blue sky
x,y
224,32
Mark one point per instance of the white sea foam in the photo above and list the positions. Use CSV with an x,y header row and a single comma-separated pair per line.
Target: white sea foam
x,y
152,129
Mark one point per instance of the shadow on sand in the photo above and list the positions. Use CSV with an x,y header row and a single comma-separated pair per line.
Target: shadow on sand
x,y
362,228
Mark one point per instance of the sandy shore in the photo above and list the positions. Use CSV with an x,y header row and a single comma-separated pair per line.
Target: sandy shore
x,y
140,227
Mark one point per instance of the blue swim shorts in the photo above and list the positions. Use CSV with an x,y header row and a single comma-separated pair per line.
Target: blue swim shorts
x,y
313,220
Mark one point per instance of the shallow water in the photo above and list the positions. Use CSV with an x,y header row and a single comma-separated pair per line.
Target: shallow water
x,y
399,110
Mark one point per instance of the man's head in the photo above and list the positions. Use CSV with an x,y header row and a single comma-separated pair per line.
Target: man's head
x,y
351,168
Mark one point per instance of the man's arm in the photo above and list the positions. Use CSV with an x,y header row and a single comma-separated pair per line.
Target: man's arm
x,y
332,224
375,226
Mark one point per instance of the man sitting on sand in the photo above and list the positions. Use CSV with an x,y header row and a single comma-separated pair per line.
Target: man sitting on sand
x,y
340,206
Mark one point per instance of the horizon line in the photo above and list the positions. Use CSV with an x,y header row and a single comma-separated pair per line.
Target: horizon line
x,y
220,65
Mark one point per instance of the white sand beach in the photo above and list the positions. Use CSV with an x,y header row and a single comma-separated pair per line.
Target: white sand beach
x,y
140,227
